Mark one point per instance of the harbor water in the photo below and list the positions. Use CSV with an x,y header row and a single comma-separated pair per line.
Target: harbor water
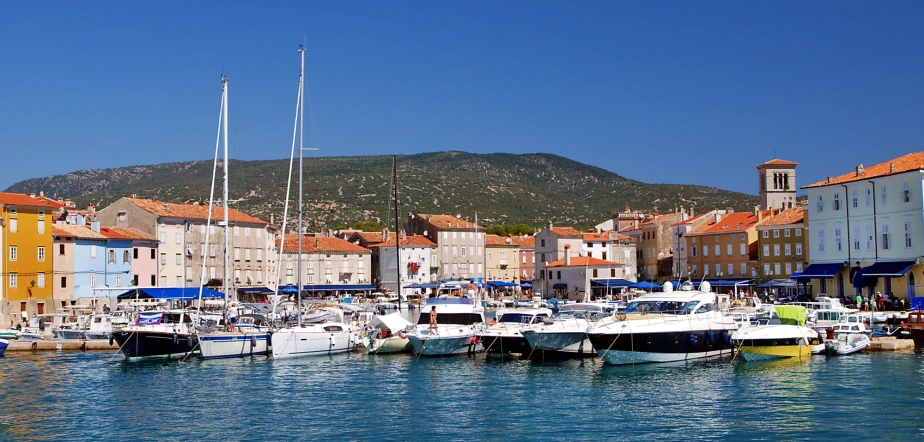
x,y
98,396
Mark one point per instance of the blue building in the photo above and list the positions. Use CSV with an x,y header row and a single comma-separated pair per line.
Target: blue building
x,y
90,262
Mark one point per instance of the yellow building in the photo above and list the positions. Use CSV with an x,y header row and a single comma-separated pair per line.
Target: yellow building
x,y
27,256
783,245
726,249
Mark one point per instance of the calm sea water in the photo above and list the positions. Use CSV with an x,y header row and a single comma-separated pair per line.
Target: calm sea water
x,y
95,396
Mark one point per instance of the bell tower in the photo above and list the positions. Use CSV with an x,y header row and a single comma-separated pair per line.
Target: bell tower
x,y
777,180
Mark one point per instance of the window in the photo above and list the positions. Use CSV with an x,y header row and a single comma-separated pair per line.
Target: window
x,y
14,253
41,253
259,234
776,268
907,234
41,214
259,254
765,233
259,272
118,280
906,192
787,250
706,269
820,206
135,253
744,248
693,251
837,201
693,270
821,241
717,238
595,273
13,226
213,271
163,237
786,233
798,232
153,256
837,239
766,269
869,237
869,197
92,280
92,250
454,235
60,249
716,251
64,282
766,249
237,231
776,250
179,281
189,273
885,195
455,251
179,259
246,251
212,249
163,260
177,238
856,237
237,253
885,237
163,281
41,226
854,198
112,256
327,264
14,280
246,232
705,251
798,249
289,279
744,269
135,279
463,250
541,243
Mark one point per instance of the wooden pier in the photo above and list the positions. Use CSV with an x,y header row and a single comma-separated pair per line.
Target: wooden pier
x,y
61,345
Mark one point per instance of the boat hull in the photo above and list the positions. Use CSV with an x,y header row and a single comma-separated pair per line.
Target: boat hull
x,y
292,343
3,345
771,352
69,334
233,345
620,349
393,344
504,344
563,343
141,344
444,346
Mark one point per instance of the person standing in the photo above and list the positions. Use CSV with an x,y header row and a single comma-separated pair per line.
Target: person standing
x,y
433,327
232,317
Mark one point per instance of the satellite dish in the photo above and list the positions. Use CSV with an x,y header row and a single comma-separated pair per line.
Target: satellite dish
x,y
425,233
459,215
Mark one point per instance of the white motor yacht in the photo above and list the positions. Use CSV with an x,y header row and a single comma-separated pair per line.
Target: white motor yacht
x,y
458,320
564,335
825,312
665,327
505,336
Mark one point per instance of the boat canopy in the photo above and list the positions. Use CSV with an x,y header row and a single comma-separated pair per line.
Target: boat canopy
x,y
174,293
610,283
791,314
393,322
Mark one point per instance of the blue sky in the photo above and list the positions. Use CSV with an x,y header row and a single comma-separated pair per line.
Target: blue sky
x,y
663,91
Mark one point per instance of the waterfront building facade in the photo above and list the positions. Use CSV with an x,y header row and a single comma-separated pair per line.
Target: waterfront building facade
x,y
325,261
460,244
417,254
777,184
26,265
726,247
501,258
570,277
551,243
781,245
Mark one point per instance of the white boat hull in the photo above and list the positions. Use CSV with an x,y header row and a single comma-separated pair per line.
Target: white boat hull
x,y
434,345
291,343
233,345
575,342
618,357
393,344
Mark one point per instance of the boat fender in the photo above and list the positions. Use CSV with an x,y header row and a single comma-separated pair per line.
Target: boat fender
x,y
176,338
189,341
474,340
710,337
402,335
110,340
384,333
692,339
726,338
253,341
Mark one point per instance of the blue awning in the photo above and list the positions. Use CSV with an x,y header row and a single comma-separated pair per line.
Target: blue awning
x,y
560,286
821,271
645,285
503,284
778,283
616,283
526,285
173,293
895,269
265,290
338,287
728,282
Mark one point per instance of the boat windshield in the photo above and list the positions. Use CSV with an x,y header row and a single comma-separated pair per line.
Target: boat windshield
x,y
670,307
520,318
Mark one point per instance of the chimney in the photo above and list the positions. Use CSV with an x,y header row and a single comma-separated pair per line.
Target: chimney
x,y
32,195
429,216
550,224
756,210
94,226
891,167
859,169
271,218
760,215
729,210
716,217
830,178
385,235
60,199
691,212
91,208
567,255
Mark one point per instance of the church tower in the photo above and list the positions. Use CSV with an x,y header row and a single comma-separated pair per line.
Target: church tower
x,y
777,184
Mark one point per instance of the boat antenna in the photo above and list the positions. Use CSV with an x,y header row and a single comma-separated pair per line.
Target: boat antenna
x,y
394,159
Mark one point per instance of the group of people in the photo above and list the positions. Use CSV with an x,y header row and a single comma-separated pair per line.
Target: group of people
x,y
880,302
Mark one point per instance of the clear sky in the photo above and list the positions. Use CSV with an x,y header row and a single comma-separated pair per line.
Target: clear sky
x,y
665,91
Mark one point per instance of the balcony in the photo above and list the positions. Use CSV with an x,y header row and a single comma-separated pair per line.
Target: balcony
x,y
503,263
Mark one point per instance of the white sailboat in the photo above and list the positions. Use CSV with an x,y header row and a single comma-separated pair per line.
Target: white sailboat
x,y
300,340
223,343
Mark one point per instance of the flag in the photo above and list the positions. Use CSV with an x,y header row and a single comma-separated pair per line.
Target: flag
x,y
150,318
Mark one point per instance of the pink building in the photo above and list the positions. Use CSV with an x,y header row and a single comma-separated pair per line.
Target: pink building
x,y
144,254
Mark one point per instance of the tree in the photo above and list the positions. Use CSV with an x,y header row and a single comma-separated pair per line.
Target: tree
x,y
368,226
510,229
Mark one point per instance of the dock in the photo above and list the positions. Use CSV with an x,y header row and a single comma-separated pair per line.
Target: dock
x,y
890,343
61,345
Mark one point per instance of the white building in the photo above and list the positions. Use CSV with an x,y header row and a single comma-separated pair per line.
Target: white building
x,y
417,254
866,229
570,277
326,261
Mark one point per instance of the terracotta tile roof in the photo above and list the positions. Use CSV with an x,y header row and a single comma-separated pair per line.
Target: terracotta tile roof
x,y
448,222
81,232
21,199
690,220
528,242
656,219
370,237
51,202
583,261
407,241
499,241
777,162
733,222
788,216
621,237
321,244
125,233
567,232
191,211
902,164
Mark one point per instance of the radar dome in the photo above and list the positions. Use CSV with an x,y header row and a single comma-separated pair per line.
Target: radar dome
x,y
705,286
668,287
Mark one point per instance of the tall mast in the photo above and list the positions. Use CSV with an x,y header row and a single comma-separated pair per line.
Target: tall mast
x,y
397,226
301,136
224,118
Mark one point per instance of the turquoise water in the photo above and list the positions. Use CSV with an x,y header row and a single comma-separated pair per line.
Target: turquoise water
x,y
93,396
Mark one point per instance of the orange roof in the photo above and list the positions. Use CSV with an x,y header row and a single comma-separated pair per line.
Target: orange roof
x,y
191,211
448,222
690,220
583,261
500,241
125,233
407,241
21,199
657,219
902,164
567,231
788,216
528,242
75,231
733,222
321,244
777,162
370,237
